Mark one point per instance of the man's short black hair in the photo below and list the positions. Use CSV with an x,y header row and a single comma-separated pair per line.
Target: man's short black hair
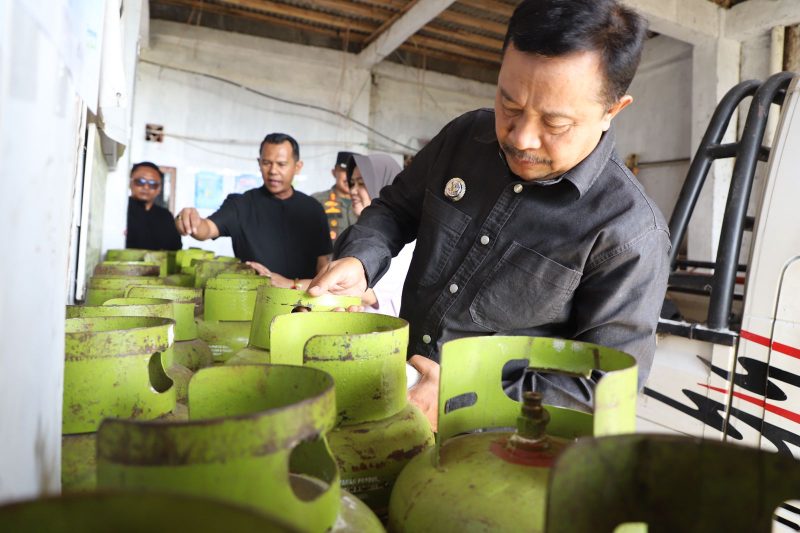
x,y
280,138
558,27
148,164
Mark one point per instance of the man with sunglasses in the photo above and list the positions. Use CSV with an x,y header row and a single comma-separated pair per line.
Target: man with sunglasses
x,y
150,226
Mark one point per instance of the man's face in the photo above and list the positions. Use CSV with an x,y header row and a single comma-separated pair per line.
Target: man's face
x,y
340,175
145,185
550,111
278,168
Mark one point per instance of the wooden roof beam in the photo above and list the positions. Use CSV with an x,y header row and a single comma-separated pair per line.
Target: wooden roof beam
x,y
299,13
420,13
492,6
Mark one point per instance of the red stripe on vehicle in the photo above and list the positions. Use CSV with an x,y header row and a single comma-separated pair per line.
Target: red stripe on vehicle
x,y
785,413
752,337
785,349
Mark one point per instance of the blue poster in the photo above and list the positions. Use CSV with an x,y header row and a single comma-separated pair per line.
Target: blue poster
x,y
208,190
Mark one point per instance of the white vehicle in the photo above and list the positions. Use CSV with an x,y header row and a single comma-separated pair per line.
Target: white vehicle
x,y
727,365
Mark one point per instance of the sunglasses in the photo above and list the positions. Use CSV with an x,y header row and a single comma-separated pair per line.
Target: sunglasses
x,y
144,182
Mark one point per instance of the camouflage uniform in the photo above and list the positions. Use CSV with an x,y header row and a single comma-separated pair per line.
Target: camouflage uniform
x,y
339,210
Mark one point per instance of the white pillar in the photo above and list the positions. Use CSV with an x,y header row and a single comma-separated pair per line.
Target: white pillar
x,y
40,137
715,69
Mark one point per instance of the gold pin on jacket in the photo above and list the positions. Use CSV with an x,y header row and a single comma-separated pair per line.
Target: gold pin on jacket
x,y
455,189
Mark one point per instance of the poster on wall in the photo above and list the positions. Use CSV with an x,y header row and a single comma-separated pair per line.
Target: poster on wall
x,y
208,190
245,182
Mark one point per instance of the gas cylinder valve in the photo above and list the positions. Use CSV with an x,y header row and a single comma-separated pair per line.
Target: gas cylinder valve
x,y
531,424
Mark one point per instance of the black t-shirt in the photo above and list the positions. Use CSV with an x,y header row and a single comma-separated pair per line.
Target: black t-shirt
x,y
286,236
151,230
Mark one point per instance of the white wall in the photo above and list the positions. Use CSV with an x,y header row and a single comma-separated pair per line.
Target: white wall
x,y
412,105
39,140
215,126
657,126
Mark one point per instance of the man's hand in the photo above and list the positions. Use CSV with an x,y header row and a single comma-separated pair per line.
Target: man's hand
x,y
344,277
276,280
425,394
188,221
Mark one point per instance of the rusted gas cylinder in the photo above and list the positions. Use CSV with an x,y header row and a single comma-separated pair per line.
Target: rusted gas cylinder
x,y
185,269
205,269
255,437
134,512
102,288
184,258
274,301
126,254
190,351
153,307
378,431
496,480
127,268
145,256
113,368
228,303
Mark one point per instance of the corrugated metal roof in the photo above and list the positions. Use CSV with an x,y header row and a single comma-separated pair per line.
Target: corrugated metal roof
x,y
469,33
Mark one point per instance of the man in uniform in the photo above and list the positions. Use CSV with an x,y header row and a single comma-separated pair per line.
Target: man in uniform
x,y
336,200
526,220
273,226
150,226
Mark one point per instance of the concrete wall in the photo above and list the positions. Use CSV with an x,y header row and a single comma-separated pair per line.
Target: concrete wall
x,y
412,105
657,126
215,126
40,116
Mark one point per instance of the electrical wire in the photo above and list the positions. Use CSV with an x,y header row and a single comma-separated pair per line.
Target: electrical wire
x,y
192,142
285,101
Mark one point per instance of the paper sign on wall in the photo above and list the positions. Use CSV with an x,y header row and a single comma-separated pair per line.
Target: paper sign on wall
x,y
208,190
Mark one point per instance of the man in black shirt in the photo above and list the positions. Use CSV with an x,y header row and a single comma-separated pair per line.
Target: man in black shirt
x,y
273,226
150,226
526,221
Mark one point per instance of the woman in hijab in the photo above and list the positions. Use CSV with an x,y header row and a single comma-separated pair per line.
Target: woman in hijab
x,y
367,175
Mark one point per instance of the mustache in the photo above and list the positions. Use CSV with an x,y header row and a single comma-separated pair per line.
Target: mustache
x,y
524,156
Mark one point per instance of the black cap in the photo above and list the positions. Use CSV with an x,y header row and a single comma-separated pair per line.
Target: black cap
x,y
342,158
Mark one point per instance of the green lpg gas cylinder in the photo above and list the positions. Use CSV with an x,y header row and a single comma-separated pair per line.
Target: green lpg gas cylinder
x,y
205,269
146,256
190,351
155,307
127,268
227,311
126,254
274,301
475,480
256,437
184,259
113,368
102,288
378,430
134,512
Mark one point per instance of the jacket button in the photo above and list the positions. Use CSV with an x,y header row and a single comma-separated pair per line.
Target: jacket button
x,y
426,339
485,240
518,188
453,288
